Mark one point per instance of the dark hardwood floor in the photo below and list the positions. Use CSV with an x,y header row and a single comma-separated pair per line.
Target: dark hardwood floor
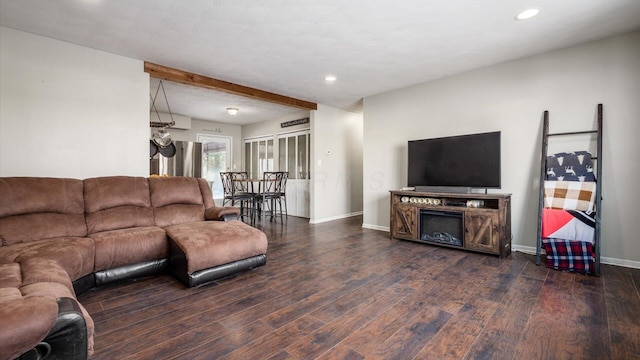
x,y
337,291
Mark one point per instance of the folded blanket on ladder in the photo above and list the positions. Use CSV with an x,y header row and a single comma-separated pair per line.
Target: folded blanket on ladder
x,y
568,225
570,166
570,195
569,255
568,237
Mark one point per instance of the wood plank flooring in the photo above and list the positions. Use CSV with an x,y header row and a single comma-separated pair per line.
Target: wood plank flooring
x,y
337,291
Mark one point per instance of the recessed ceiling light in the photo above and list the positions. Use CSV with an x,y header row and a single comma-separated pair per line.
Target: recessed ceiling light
x,y
527,14
330,78
232,111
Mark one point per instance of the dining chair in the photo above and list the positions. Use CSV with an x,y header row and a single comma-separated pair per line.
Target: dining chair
x,y
236,189
268,195
284,175
225,178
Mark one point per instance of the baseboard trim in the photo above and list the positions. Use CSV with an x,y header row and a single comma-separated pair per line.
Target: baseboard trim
x,y
531,250
318,221
376,227
620,262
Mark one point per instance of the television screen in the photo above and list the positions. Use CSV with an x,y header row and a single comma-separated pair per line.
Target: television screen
x,y
457,161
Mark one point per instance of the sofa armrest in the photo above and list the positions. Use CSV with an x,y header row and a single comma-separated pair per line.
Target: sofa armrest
x,y
226,213
68,338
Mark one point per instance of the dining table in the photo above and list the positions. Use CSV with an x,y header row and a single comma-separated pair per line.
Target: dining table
x,y
257,188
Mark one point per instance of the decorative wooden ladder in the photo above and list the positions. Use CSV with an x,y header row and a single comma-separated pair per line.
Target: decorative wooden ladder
x,y
598,157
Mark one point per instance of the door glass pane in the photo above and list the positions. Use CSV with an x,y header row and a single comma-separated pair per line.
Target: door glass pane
x,y
269,156
216,157
254,160
282,154
302,156
308,156
262,155
247,157
291,155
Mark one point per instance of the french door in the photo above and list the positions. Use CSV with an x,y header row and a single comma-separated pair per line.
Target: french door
x,y
258,156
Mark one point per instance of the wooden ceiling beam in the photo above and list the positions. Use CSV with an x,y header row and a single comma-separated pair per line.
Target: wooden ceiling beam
x,y
184,77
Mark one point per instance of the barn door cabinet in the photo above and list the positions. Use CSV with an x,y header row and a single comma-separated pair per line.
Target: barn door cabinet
x,y
474,222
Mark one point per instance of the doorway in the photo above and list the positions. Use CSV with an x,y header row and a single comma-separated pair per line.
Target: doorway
x,y
216,158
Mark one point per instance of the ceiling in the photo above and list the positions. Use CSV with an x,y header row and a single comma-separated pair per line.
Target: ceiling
x,y
206,104
289,46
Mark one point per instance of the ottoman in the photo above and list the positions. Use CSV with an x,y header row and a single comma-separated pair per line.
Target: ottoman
x,y
205,251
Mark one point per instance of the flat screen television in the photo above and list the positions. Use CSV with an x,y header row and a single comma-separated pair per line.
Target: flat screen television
x,y
465,161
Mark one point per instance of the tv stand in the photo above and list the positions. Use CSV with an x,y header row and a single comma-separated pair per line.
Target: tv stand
x,y
474,222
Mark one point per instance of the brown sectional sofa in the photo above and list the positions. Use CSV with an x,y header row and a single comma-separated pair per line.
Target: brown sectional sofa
x,y
61,237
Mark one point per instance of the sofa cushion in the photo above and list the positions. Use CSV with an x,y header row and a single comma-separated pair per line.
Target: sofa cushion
x,y
40,270
10,275
117,202
174,190
121,217
9,293
30,320
39,208
25,195
207,195
176,200
74,254
178,214
117,248
212,243
38,226
51,290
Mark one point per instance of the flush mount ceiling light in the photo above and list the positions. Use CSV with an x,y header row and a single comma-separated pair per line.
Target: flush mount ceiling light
x,y
527,14
232,111
330,78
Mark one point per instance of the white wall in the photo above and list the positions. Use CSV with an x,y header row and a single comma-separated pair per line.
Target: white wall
x,y
336,158
511,97
336,177
272,127
70,111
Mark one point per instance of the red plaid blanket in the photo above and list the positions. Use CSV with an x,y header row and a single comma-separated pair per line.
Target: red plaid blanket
x,y
569,255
